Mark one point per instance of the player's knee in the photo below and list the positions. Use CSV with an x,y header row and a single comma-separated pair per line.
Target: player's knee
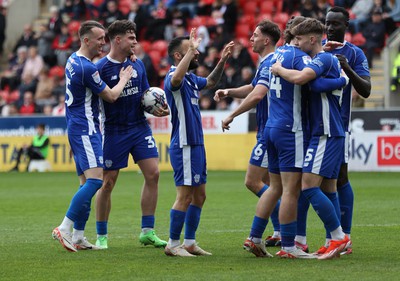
x,y
108,185
342,180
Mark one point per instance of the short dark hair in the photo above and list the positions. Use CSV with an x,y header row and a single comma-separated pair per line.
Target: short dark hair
x,y
337,9
308,26
269,28
41,126
87,26
120,27
292,22
175,44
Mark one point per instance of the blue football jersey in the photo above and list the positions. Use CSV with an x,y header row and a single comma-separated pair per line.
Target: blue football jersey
x,y
359,63
184,106
262,78
286,101
83,85
126,111
324,108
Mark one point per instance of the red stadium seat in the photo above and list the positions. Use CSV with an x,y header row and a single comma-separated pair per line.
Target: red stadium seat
x,y
267,7
250,8
249,20
73,26
146,45
243,31
278,6
155,57
161,46
358,39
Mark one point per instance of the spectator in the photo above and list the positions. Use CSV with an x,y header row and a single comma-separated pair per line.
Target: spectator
x,y
62,45
28,106
11,78
44,44
148,64
38,149
138,14
202,33
47,109
380,5
240,57
395,76
212,58
230,15
55,21
361,10
27,38
59,109
32,68
112,13
246,76
344,3
374,33
308,9
3,13
44,88
394,15
321,10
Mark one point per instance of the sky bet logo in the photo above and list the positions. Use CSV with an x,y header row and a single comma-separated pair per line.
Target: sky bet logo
x,y
389,151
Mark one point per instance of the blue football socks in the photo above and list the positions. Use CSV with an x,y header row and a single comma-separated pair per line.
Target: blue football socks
x,y
346,202
177,219
192,220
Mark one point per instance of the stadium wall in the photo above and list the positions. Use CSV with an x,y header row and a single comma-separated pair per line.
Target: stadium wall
x,y
374,146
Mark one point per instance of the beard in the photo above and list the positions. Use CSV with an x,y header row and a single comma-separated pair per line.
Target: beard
x,y
193,64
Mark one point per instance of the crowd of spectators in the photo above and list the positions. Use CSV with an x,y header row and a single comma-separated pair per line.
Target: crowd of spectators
x,y
34,79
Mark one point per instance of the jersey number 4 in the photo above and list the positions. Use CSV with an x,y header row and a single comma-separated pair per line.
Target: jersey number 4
x,y
276,85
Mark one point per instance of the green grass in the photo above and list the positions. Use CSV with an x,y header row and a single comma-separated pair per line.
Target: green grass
x,y
32,204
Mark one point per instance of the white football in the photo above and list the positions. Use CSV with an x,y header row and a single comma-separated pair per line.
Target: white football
x,y
153,98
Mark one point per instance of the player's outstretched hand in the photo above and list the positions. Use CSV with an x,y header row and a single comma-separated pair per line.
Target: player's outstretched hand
x,y
275,68
193,41
220,94
227,51
331,45
126,73
161,111
225,123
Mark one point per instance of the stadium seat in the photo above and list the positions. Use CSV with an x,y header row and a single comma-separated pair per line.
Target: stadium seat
x,y
261,17
155,57
278,6
358,39
250,8
39,165
161,46
267,7
248,20
243,31
146,45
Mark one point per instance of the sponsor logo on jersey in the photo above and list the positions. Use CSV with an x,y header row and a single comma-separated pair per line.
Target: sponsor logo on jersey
x,y
114,77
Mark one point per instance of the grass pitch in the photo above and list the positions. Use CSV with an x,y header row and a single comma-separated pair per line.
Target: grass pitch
x,y
32,204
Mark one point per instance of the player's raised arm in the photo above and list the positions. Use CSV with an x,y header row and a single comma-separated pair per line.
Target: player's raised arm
x,y
111,95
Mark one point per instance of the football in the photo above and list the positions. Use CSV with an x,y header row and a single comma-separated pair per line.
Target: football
x,y
153,98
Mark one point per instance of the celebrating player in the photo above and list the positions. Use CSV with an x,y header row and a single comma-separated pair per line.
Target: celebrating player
x,y
83,87
187,152
126,131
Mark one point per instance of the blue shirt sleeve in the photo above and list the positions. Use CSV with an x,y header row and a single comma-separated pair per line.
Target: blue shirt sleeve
x,y
92,79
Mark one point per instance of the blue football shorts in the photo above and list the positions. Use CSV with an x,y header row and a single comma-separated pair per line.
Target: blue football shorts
x,y
285,150
259,155
189,165
324,156
87,150
138,142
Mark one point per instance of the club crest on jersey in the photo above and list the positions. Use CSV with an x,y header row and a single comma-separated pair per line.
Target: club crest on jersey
x,y
264,71
101,159
96,77
196,178
108,163
134,73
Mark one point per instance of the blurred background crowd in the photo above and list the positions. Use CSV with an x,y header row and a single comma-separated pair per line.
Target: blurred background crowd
x,y
32,79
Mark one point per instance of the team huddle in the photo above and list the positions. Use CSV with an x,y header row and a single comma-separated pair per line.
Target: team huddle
x,y
302,95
